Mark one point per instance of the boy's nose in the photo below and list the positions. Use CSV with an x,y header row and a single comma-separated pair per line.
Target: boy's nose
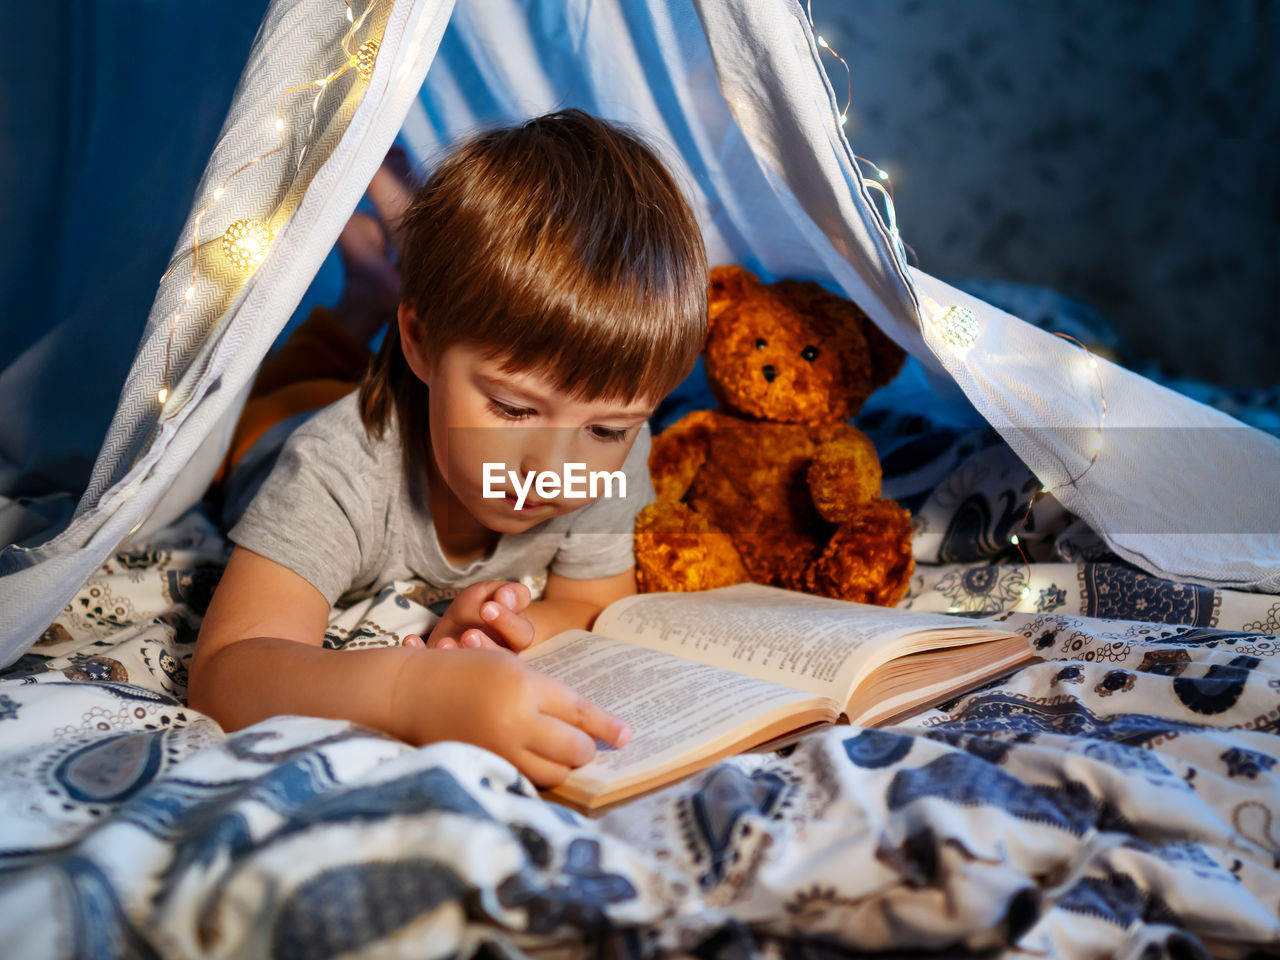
x,y
547,449
769,372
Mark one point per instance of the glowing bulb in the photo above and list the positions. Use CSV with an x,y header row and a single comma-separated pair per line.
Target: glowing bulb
x,y
1014,539
218,193
246,243
1026,593
822,41
953,609
884,174
279,124
350,16
191,291
1093,363
366,57
958,326
1044,488
163,395
844,118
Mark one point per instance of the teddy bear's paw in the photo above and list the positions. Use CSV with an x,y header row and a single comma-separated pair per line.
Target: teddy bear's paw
x,y
868,559
844,477
678,549
668,516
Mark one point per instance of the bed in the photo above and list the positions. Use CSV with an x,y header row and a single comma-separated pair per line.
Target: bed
x,y
1121,798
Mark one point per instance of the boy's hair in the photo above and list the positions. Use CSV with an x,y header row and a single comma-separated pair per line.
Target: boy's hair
x,y
561,246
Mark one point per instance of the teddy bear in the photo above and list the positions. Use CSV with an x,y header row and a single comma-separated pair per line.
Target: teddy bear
x,y
777,487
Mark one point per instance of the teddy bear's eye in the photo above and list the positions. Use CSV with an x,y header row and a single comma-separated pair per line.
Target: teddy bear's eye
x,y
810,353
760,344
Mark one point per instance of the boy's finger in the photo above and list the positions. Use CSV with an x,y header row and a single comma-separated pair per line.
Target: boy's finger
x,y
513,629
543,772
576,709
478,640
559,742
514,596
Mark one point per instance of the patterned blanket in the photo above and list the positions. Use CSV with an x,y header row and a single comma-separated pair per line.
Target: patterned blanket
x,y
1121,798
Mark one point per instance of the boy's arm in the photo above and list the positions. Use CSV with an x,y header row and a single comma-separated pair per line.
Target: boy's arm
x,y
569,604
260,654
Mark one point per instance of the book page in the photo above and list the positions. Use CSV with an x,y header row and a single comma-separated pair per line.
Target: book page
x,y
815,644
672,705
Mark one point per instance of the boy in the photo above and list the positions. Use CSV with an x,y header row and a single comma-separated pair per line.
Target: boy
x,y
553,291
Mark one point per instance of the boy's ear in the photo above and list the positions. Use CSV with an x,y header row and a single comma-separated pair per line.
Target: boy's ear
x,y
412,344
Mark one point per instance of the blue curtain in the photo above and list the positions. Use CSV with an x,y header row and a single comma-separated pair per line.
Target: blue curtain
x,y
108,113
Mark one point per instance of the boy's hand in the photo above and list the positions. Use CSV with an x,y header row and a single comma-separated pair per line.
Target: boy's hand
x,y
488,615
502,704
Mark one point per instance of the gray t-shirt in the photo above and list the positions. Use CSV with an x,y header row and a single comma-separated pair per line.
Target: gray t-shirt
x,y
335,509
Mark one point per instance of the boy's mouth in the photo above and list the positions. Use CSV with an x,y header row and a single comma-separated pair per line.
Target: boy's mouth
x,y
512,500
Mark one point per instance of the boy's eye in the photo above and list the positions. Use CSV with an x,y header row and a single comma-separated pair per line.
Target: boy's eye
x,y
509,412
607,434
810,353
760,344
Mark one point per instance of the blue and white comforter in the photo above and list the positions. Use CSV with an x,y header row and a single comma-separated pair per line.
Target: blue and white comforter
x,y
1120,799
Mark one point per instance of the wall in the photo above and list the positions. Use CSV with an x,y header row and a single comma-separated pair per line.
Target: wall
x,y
1123,152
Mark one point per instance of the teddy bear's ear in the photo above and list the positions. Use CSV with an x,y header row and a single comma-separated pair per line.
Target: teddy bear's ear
x,y
886,356
728,285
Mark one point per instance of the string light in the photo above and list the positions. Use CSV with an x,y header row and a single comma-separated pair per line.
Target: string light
x,y
246,241
848,74
958,327
366,57
895,238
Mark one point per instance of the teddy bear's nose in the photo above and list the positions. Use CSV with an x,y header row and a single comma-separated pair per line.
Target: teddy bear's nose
x,y
769,372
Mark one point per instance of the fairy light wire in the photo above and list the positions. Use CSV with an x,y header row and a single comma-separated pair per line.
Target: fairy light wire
x,y
350,61
848,73
885,189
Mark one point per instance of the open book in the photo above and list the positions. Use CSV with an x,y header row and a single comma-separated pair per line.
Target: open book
x,y
701,676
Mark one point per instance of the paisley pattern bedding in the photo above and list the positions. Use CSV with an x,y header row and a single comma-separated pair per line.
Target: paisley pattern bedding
x,y
1121,798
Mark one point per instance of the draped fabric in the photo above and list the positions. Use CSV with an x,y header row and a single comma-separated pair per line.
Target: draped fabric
x,y
733,94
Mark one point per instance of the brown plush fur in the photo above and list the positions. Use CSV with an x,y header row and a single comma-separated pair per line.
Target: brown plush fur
x,y
776,487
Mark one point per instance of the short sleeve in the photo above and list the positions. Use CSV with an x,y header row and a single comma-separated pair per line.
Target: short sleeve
x,y
600,542
308,514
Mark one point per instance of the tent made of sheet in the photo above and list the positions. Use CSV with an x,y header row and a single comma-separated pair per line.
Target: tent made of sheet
x,y
733,93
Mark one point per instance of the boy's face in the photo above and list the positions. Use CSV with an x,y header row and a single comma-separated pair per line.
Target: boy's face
x,y
517,423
